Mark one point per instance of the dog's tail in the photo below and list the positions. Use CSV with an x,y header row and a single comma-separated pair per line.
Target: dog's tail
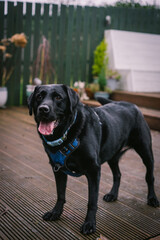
x,y
103,101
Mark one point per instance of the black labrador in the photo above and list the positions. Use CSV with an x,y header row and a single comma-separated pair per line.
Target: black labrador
x,y
78,139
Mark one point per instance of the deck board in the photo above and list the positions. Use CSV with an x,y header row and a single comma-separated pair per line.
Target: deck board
x,y
28,190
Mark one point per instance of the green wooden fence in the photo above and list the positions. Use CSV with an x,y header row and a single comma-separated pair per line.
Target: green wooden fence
x,y
73,34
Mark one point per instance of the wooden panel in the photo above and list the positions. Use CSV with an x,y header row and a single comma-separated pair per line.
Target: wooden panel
x,y
77,49
92,44
37,30
10,31
156,22
54,41
68,60
1,19
1,36
17,57
85,35
93,31
46,20
100,24
27,51
62,42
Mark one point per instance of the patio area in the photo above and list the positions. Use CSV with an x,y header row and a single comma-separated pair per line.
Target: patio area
x,y
28,190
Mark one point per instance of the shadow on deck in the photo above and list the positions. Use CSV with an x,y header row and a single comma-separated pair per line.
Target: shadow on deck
x,y
28,190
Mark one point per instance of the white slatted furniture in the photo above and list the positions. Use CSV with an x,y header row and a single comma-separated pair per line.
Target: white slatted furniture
x,y
137,58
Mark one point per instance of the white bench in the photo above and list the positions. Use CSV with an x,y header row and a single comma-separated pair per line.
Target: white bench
x,y
136,56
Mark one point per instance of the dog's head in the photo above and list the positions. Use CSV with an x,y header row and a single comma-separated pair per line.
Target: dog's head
x,y
50,104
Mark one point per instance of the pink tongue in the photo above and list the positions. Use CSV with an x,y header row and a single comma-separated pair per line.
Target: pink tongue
x,y
46,128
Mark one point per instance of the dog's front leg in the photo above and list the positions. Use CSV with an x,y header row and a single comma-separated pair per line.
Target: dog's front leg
x,y
55,213
89,225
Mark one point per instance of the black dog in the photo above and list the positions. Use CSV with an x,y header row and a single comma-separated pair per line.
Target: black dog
x,y
78,139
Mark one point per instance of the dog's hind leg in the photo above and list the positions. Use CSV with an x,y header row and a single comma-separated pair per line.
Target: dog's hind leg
x,y
140,140
145,152
113,194
55,213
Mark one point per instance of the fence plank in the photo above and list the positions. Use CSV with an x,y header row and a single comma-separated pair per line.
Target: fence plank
x,y
27,51
92,42
101,24
54,41
2,17
76,58
17,59
46,20
10,29
37,30
128,25
68,65
61,47
157,21
85,44
121,18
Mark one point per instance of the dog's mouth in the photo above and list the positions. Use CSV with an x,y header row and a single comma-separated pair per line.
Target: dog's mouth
x,y
47,128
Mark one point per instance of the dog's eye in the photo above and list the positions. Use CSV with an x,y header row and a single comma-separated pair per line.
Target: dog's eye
x,y
39,97
58,97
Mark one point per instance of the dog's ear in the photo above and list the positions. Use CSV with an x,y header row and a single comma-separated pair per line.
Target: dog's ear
x,y
72,96
30,100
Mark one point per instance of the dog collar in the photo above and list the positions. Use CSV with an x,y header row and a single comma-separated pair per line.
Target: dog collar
x,y
60,140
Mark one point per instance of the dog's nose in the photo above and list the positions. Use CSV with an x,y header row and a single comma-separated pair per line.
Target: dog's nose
x,y
44,109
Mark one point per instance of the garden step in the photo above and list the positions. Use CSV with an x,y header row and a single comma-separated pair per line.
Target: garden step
x,y
152,117
148,100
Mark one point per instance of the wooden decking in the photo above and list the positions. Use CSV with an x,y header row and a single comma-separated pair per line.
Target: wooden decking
x,y
28,190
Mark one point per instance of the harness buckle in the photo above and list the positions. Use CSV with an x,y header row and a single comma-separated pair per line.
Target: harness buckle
x,y
56,167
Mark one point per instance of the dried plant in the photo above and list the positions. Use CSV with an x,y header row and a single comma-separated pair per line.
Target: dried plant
x,y
42,67
8,49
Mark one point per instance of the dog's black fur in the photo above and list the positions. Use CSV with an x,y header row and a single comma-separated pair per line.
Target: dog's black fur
x,y
105,133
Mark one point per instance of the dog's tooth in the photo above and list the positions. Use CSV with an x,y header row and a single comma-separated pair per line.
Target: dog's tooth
x,y
52,132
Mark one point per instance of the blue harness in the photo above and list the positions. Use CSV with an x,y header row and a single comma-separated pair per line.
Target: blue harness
x,y
60,157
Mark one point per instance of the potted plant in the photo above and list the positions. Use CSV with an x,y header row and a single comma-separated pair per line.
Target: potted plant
x,y
42,70
102,74
7,50
100,59
99,70
91,89
112,78
104,91
95,90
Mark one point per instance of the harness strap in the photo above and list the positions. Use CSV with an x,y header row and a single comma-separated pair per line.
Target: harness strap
x,y
60,157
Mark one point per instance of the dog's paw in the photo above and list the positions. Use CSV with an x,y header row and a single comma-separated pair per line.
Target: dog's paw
x,y
153,201
109,197
88,227
52,215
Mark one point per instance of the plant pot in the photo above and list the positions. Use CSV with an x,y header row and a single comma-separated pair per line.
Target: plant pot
x,y
3,96
101,94
112,84
29,89
89,93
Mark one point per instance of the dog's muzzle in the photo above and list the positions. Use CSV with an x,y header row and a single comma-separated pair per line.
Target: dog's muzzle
x,y
44,110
